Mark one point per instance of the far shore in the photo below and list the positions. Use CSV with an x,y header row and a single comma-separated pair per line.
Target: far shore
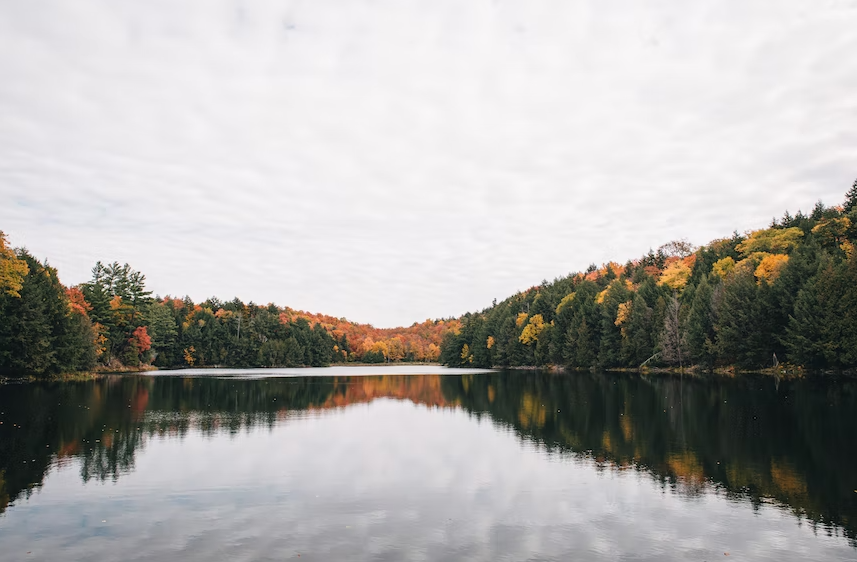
x,y
782,371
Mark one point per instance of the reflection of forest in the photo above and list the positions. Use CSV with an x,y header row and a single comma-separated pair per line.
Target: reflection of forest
x,y
791,443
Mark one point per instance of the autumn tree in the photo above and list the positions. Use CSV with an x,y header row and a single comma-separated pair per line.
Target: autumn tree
x,y
12,269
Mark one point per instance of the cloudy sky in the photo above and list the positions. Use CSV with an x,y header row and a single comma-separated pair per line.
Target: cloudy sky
x,y
394,160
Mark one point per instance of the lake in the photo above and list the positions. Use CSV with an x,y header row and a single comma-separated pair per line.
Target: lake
x,y
425,463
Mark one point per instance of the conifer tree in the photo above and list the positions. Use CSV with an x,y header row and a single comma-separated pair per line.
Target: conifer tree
x,y
700,325
851,198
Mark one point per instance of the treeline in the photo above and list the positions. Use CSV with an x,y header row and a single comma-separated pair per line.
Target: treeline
x,y
113,322
787,293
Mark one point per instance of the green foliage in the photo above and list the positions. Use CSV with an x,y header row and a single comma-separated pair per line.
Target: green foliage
x,y
788,292
851,199
821,331
40,334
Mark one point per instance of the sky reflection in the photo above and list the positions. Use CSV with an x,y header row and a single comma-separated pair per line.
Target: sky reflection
x,y
388,480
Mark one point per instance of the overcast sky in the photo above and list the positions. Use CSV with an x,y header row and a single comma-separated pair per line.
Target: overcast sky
x,y
394,160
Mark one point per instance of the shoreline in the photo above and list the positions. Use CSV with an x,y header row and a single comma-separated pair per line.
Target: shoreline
x,y
783,371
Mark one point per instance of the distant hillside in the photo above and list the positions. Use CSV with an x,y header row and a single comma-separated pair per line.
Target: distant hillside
x,y
787,293
113,323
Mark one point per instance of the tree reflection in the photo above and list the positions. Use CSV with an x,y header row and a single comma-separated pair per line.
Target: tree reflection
x,y
789,443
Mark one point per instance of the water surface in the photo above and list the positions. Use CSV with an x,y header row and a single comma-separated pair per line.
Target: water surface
x,y
436,466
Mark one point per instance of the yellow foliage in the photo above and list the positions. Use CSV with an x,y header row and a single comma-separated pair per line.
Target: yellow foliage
x,y
532,330
188,355
12,270
396,348
723,267
848,248
566,300
599,298
522,317
832,230
490,342
774,240
622,313
675,276
381,347
99,338
116,303
465,354
771,266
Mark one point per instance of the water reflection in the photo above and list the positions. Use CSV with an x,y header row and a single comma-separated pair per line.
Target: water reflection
x,y
790,444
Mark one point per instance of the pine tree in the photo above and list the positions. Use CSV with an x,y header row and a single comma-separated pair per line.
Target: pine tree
x,y
637,333
673,340
851,198
739,338
700,325
821,330
39,333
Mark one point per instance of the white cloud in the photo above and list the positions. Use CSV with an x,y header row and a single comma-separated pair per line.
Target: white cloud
x,y
390,161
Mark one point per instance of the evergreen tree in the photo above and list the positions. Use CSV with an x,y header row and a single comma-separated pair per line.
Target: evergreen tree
x,y
638,343
739,339
821,331
39,333
851,199
700,325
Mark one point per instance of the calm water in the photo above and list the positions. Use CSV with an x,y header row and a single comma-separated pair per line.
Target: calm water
x,y
432,466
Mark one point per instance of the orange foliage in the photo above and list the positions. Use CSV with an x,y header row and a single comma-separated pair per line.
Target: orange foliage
x,y
419,342
77,302
652,270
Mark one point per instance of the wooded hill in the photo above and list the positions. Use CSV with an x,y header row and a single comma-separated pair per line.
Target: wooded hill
x,y
787,293
113,322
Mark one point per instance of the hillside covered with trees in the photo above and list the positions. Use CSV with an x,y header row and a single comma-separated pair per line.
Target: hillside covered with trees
x,y
113,322
787,293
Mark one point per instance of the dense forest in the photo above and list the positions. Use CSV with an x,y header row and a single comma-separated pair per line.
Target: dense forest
x,y
112,322
784,294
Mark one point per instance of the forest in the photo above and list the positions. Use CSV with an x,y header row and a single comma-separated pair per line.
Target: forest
x,y
782,296
113,323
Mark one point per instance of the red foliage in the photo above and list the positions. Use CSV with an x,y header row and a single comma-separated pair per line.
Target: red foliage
x,y
142,339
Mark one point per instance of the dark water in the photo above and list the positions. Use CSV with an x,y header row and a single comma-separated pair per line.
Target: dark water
x,y
498,466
